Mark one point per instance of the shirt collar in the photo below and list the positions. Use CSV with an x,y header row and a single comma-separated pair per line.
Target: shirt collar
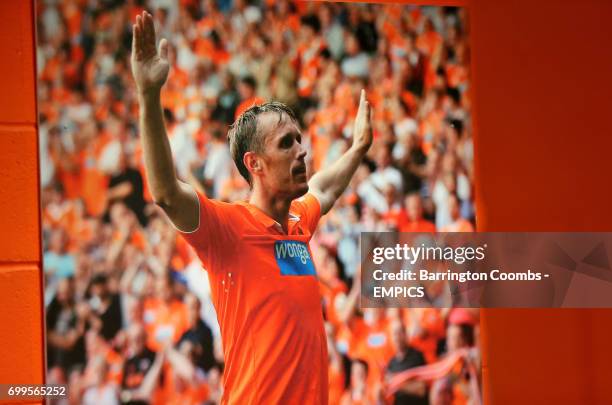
x,y
268,222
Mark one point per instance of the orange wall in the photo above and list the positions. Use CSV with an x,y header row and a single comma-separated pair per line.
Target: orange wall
x,y
543,100
21,331
542,85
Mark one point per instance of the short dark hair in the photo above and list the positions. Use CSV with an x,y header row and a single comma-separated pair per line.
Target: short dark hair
x,y
325,53
312,21
457,125
454,94
217,132
244,136
98,279
467,333
249,81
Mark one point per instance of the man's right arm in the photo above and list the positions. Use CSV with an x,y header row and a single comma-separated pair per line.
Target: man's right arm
x,y
178,200
150,68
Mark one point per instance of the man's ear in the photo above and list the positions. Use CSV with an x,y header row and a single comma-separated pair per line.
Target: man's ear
x,y
252,162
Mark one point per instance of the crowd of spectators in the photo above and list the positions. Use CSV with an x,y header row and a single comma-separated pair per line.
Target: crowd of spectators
x,y
128,310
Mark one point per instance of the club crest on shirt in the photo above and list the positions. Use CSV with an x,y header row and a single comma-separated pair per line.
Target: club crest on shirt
x,y
293,258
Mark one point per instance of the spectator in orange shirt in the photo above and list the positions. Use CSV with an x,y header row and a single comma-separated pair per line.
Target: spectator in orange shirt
x,y
425,329
99,390
307,61
358,392
414,220
248,98
430,42
395,212
368,335
455,388
165,316
458,223
184,381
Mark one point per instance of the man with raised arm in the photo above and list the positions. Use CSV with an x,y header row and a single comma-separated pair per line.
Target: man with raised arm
x,y
262,277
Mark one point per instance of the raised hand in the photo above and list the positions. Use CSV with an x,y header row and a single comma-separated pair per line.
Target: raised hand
x,y
362,131
150,67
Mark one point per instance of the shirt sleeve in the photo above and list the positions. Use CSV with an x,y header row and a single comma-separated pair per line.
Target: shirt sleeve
x,y
308,208
215,236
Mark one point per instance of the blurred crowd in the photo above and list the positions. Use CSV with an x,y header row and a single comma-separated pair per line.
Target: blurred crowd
x,y
128,310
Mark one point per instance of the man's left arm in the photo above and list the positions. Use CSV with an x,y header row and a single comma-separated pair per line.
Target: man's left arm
x,y
329,183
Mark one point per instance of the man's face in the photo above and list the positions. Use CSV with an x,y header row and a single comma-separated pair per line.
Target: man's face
x,y
389,192
193,308
99,290
414,208
64,291
454,339
352,46
383,159
307,33
245,91
283,169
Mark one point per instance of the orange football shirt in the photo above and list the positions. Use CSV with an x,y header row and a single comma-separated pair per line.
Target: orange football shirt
x,y
266,295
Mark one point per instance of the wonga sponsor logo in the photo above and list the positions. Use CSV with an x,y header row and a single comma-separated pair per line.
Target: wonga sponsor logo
x,y
293,258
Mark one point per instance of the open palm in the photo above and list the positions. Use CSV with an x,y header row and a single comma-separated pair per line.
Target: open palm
x,y
149,67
